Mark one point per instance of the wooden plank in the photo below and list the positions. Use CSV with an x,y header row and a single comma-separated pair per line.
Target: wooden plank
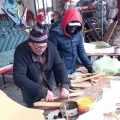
x,y
81,74
87,78
113,114
11,110
70,95
47,104
86,85
74,91
109,32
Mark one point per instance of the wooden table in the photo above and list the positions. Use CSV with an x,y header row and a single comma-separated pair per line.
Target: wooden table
x,y
102,54
95,92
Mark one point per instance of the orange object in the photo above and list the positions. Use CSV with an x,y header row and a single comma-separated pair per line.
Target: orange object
x,y
85,104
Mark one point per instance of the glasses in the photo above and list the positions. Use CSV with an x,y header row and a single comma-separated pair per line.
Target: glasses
x,y
40,47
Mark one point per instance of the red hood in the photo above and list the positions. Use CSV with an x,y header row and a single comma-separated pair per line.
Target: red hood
x,y
70,15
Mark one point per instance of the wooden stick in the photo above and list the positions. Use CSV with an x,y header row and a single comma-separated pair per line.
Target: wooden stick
x,y
95,79
112,114
48,104
82,75
87,78
75,91
81,86
115,115
70,95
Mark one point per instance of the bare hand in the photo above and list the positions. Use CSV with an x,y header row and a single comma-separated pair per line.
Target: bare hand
x,y
50,96
64,93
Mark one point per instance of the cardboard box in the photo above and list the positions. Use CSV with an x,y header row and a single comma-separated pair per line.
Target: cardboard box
x,y
11,110
89,47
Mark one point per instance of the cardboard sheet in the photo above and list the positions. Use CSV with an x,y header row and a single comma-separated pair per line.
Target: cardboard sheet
x,y
11,110
109,31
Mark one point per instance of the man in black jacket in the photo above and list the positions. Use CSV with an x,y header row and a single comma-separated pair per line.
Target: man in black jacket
x,y
34,62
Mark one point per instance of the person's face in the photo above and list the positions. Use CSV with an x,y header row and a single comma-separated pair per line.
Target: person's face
x,y
71,29
38,48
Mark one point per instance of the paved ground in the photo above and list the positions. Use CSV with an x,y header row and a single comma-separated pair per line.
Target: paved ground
x,y
11,90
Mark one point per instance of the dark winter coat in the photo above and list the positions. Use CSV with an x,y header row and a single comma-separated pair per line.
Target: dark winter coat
x,y
69,47
26,73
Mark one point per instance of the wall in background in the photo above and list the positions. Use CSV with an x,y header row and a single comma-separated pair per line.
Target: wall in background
x,y
119,12
31,6
47,7
1,6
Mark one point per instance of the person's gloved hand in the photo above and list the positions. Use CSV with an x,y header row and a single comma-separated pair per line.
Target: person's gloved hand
x,y
90,70
64,93
50,96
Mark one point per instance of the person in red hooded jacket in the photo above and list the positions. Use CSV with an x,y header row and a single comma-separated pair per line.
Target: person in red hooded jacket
x,y
67,37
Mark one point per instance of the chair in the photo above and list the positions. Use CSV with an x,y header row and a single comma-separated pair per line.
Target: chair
x,y
4,70
94,31
10,37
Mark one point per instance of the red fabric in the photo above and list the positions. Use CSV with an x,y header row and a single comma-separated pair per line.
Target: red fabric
x,y
40,17
30,15
4,70
71,15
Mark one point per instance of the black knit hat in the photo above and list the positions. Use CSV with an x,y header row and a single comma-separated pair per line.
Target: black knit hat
x,y
38,34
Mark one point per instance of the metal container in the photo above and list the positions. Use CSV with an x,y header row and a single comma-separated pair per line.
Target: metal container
x,y
69,110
